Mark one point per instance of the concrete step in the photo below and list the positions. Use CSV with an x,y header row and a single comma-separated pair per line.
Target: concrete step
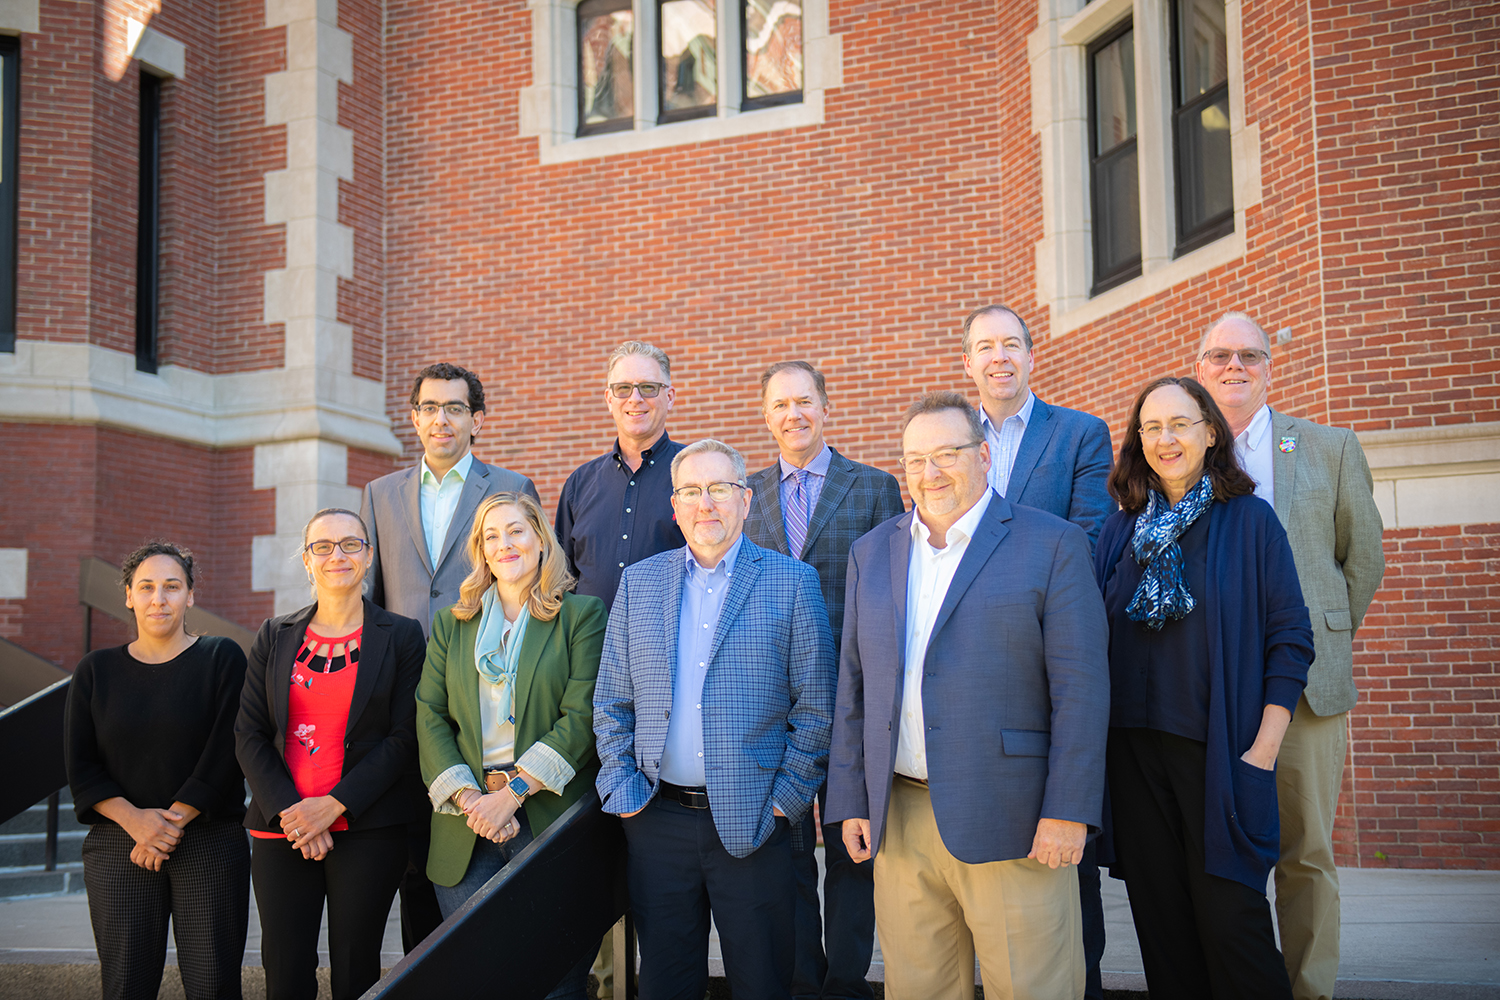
x,y
34,820
28,850
33,881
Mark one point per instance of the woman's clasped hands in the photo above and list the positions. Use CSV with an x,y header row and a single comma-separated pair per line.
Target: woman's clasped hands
x,y
306,824
491,815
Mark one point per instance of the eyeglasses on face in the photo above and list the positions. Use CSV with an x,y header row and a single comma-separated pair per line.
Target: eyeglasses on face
x,y
648,390
717,492
455,411
323,547
1152,432
943,458
1249,357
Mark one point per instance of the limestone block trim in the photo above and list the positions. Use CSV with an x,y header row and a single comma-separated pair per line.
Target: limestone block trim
x,y
549,106
156,53
1059,116
1430,476
13,574
307,475
88,384
19,17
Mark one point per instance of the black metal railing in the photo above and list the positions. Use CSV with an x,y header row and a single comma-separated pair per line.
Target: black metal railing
x,y
531,923
31,744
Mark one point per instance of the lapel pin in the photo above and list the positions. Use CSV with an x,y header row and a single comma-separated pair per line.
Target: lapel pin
x,y
1288,445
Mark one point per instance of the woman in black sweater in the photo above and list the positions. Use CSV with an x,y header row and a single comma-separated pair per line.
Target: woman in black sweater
x,y
150,754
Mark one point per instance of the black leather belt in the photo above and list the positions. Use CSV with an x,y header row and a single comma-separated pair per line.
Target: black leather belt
x,y
693,798
914,781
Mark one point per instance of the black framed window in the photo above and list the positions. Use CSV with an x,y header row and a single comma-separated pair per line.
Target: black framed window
x,y
606,66
1114,178
772,31
1200,123
10,161
148,226
687,59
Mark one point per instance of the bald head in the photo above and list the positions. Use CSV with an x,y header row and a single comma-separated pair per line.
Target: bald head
x,y
1234,364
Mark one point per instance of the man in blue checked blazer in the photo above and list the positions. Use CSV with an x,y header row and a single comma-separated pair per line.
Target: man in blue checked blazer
x,y
813,504
712,711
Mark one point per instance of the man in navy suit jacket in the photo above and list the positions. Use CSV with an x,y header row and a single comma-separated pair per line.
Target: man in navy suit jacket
x,y
712,713
812,504
969,733
1043,456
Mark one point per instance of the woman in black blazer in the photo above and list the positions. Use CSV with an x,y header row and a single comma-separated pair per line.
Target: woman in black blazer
x,y
327,739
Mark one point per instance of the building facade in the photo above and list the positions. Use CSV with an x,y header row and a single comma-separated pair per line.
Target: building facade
x,y
237,228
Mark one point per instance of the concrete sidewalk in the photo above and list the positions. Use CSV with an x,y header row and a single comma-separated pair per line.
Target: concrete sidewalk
x,y
1408,935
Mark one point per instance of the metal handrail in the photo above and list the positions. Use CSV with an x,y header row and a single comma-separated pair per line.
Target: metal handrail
x,y
31,741
536,919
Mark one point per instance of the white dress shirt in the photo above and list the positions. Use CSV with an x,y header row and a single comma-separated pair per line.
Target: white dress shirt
x,y
1005,442
437,502
1253,449
928,574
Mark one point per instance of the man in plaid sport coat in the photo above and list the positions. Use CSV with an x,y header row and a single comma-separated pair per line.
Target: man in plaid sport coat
x,y
819,502
713,711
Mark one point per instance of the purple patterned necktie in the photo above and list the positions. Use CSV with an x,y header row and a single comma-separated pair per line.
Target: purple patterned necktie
x,y
796,514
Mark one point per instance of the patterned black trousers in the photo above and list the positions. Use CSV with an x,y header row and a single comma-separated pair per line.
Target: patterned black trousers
x,y
204,888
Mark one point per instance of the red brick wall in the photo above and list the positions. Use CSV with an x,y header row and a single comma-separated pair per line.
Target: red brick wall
x,y
361,202
1423,790
1409,162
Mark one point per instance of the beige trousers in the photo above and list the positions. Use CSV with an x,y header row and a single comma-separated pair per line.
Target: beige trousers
x,y
934,914
1309,775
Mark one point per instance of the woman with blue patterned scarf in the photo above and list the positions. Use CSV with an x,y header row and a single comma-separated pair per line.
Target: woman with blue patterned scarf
x,y
1209,648
505,708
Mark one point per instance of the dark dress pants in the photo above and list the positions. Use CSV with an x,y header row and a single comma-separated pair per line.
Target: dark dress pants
x,y
204,887
358,878
847,926
420,914
679,873
1201,936
1090,895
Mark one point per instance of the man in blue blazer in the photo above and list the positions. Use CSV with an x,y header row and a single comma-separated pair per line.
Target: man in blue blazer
x,y
973,706
712,713
1043,456
812,504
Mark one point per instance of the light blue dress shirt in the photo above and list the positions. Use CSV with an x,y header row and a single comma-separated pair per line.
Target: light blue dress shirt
x,y
702,601
817,475
1005,442
437,502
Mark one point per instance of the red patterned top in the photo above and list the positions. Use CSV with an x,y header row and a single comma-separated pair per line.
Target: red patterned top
x,y
323,674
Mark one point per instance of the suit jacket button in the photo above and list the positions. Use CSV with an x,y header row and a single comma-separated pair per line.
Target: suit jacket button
x,y
434,593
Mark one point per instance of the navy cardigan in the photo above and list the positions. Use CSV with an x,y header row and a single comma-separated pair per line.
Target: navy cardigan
x,y
1260,646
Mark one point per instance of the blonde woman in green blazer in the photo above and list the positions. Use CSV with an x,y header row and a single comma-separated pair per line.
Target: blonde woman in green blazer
x,y
505,707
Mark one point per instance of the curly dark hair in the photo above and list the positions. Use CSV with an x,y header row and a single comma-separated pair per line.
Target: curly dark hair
x,y
1133,479
157,547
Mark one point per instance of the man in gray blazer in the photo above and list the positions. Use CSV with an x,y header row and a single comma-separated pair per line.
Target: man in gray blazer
x,y
969,731
419,521
419,518
1318,481
1043,456
812,505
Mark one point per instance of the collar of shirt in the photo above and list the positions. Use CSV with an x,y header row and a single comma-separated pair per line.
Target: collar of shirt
x,y
1023,414
727,563
646,453
461,468
1257,434
817,467
961,530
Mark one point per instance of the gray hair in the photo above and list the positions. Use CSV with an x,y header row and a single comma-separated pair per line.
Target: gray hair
x,y
945,399
707,445
1265,338
645,350
996,310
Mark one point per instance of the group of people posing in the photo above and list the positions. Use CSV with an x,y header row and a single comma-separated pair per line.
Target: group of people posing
x,y
1054,661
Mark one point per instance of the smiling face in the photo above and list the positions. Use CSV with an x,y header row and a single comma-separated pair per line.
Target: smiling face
x,y
999,362
445,439
943,496
512,549
338,572
711,526
638,420
1239,391
160,597
795,413
1176,456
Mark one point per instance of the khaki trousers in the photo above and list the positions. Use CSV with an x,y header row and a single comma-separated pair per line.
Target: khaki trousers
x,y
934,913
1309,775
